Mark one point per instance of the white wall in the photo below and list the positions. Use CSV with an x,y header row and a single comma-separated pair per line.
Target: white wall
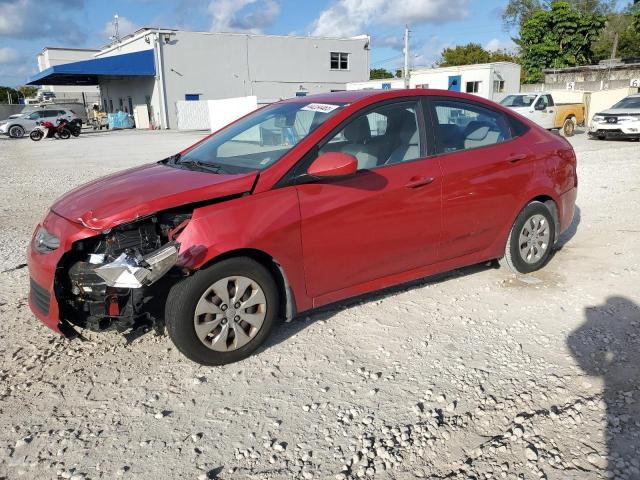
x,y
375,84
58,56
223,112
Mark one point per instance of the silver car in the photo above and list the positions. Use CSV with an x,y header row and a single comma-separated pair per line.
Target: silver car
x,y
17,126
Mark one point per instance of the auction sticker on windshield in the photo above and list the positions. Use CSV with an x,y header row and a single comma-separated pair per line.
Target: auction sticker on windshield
x,y
320,107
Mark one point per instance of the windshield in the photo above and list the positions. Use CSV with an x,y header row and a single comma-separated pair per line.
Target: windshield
x,y
629,102
260,139
518,100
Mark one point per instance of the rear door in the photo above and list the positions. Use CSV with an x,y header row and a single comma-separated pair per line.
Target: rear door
x,y
484,169
385,219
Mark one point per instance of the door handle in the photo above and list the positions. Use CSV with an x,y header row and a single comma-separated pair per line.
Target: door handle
x,y
416,182
516,158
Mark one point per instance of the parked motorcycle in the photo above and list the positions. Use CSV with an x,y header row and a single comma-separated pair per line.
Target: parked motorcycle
x,y
49,130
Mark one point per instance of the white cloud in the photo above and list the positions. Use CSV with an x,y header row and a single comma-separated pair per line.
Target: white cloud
x,y
125,27
29,19
346,18
8,56
496,44
242,15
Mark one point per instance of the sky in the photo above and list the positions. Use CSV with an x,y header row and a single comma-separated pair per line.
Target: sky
x,y
27,26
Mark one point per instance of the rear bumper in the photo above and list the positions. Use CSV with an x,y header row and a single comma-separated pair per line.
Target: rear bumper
x,y
567,208
42,271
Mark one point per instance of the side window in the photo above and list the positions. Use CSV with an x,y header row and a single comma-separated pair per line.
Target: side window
x,y
386,135
50,113
463,126
35,116
549,100
542,102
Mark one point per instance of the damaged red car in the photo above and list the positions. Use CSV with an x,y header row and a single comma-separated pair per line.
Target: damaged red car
x,y
300,204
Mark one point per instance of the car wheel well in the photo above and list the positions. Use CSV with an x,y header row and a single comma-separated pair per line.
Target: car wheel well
x,y
287,308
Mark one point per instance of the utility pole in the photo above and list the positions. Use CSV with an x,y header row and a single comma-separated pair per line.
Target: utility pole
x,y
406,57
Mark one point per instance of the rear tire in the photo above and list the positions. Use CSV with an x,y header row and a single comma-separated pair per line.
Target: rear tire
x,y
568,127
64,134
16,131
530,240
198,302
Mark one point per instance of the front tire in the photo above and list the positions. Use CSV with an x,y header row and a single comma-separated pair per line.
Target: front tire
x,y
223,313
36,135
16,131
530,240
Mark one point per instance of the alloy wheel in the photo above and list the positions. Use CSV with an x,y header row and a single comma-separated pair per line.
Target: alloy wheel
x,y
534,239
230,313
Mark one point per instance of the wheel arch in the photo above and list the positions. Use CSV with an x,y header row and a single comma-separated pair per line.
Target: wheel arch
x,y
287,307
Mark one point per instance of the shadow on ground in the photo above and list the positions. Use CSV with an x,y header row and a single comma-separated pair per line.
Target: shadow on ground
x,y
606,346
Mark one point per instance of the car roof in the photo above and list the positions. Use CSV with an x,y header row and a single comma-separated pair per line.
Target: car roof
x,y
353,96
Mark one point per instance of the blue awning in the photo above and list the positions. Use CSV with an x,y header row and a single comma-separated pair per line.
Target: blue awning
x,y
87,72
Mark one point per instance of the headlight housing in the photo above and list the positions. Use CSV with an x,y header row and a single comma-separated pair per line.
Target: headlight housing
x,y
598,118
629,119
45,242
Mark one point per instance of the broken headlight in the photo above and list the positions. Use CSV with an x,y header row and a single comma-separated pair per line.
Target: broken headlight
x,y
134,271
45,242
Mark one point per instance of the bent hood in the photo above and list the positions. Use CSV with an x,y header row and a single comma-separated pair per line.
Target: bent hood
x,y
131,194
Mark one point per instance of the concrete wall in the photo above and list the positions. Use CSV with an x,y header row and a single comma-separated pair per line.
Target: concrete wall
x,y
603,100
6,110
226,65
138,88
599,77
376,84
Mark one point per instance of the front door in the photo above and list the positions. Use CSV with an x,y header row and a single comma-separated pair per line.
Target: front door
x,y
386,218
544,112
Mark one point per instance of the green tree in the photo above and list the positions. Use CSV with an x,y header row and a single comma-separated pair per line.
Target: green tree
x,y
28,91
626,25
379,73
518,12
473,53
399,73
6,92
560,36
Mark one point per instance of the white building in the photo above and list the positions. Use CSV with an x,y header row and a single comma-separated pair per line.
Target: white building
x,y
156,68
51,56
492,81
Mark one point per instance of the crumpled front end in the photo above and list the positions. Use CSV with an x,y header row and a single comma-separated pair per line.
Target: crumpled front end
x,y
103,280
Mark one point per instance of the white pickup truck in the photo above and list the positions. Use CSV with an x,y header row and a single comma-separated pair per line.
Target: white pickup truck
x,y
543,110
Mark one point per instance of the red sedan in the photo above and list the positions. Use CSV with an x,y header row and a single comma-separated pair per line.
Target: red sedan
x,y
302,203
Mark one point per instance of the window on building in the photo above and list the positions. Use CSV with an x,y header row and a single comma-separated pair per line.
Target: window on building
x,y
192,97
422,85
339,61
498,86
463,126
473,87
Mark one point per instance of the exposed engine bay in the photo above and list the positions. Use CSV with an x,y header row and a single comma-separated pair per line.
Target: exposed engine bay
x,y
102,283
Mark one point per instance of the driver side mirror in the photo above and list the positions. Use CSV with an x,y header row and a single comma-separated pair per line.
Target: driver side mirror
x,y
333,165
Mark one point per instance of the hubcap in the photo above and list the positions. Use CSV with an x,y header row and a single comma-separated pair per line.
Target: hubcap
x,y
15,132
534,239
230,313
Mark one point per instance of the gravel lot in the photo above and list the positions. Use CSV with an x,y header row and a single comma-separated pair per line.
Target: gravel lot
x,y
473,374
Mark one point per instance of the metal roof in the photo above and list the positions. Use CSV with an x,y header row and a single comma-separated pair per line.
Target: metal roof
x,y
87,72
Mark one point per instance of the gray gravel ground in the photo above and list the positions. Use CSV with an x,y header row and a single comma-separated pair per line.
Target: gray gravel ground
x,y
475,374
